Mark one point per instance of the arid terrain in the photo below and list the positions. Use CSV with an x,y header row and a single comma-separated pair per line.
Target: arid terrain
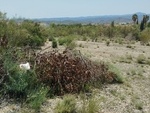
x,y
133,96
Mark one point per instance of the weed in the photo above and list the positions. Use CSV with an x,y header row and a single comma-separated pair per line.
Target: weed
x,y
139,105
137,102
81,45
107,42
129,57
37,97
141,59
113,92
54,43
71,45
84,38
133,72
92,106
118,78
66,40
89,106
125,60
67,105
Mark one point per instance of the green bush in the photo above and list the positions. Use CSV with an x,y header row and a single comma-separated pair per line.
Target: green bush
x,y
67,105
107,42
92,106
145,35
19,81
89,106
141,59
54,43
22,84
36,97
66,40
71,46
117,74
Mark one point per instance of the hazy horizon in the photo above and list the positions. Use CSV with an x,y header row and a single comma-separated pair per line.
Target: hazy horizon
x,y
68,8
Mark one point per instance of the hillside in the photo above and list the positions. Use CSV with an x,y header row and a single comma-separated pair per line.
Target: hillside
x,y
127,18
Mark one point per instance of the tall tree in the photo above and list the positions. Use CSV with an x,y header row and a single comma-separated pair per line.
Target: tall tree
x,y
145,19
135,18
144,22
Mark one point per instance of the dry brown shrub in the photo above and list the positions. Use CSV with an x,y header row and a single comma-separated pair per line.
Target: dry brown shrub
x,y
69,71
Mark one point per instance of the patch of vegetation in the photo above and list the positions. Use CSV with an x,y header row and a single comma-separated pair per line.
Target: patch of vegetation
x,y
136,101
144,36
107,42
89,105
21,84
81,45
141,59
54,43
37,97
118,77
66,40
67,105
126,59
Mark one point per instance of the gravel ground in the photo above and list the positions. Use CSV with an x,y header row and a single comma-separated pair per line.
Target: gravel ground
x,y
133,96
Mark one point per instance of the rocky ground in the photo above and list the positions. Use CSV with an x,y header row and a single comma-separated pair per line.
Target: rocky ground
x,y
133,96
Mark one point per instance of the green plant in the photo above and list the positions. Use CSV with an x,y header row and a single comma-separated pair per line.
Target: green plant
x,y
89,106
139,105
129,46
141,59
54,43
66,40
22,84
71,45
107,42
84,38
117,74
67,105
92,106
144,36
37,97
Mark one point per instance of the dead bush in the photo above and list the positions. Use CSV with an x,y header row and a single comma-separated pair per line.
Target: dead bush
x,y
68,72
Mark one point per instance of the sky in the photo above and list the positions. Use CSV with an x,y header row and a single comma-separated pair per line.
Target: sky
x,y
71,8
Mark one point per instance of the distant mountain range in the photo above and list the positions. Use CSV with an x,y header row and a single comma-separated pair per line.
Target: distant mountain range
x,y
127,18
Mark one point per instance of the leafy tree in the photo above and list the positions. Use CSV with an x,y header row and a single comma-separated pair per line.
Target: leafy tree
x,y
142,25
2,16
145,19
135,18
148,25
144,22
112,24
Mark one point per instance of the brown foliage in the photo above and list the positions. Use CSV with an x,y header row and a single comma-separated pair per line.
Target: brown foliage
x,y
3,41
68,72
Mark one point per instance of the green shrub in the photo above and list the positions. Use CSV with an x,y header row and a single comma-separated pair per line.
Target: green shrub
x,y
66,40
71,45
107,42
90,106
67,105
141,59
54,43
37,97
144,36
84,38
19,82
117,74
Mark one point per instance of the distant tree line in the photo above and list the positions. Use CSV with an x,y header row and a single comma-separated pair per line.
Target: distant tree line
x,y
30,33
